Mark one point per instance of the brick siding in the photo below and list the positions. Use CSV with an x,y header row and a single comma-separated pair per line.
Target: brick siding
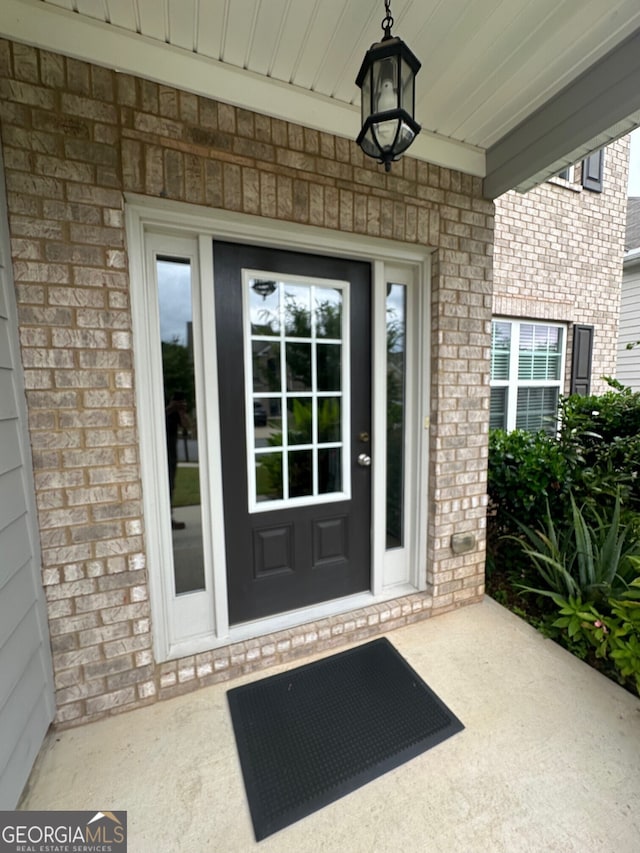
x,y
558,256
75,138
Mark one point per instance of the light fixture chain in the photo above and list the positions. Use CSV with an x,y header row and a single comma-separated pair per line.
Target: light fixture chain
x,y
388,21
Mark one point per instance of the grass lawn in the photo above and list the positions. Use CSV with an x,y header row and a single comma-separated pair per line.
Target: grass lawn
x,y
187,490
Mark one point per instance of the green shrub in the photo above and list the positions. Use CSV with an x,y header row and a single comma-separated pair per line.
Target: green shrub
x,y
592,558
602,434
527,472
595,456
610,632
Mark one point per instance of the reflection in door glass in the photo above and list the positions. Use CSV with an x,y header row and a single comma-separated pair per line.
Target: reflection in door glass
x,y
300,473
329,470
300,420
297,310
267,422
329,367
396,415
295,385
298,367
264,307
266,366
181,422
269,476
328,304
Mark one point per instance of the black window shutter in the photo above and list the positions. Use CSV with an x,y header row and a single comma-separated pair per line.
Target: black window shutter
x,y
592,167
581,360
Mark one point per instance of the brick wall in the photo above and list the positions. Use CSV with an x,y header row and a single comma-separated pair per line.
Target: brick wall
x,y
558,256
75,138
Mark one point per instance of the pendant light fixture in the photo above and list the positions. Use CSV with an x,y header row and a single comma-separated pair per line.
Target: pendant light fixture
x,y
387,82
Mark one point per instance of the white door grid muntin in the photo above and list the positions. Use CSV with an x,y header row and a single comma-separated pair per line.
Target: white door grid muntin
x,y
285,394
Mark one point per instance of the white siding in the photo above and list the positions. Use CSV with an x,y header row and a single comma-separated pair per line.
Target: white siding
x,y
628,371
26,680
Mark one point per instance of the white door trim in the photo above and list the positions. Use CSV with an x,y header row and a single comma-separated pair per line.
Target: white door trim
x,y
145,216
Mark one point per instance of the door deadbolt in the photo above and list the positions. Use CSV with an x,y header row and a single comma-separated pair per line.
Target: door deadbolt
x,y
364,436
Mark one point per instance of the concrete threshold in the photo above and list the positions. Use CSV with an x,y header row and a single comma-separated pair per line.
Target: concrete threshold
x,y
549,760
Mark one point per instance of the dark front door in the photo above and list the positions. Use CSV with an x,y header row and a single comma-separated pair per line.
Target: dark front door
x,y
294,372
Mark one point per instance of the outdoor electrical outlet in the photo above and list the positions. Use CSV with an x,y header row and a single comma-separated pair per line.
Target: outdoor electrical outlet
x,y
461,542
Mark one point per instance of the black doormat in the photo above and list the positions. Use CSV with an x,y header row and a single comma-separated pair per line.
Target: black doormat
x,y
311,735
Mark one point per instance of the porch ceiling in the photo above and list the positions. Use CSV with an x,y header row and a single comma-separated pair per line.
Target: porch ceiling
x,y
510,90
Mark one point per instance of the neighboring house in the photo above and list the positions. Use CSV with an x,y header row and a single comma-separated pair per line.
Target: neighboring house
x,y
189,227
628,371
556,298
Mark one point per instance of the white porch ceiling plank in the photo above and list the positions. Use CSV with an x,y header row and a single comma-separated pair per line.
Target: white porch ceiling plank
x,y
182,23
239,31
63,4
358,41
91,8
122,14
343,54
439,39
295,32
451,89
267,35
548,77
520,46
212,24
326,28
151,14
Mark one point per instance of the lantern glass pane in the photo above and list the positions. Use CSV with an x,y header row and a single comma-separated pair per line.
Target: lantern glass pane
x,y
406,95
366,97
405,138
385,83
386,132
368,144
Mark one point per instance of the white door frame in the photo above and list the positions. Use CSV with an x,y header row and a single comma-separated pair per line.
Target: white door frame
x,y
195,622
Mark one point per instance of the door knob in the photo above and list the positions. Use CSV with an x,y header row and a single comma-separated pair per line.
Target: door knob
x,y
364,460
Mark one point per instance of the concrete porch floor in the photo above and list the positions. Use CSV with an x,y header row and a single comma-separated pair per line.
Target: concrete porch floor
x,y
549,760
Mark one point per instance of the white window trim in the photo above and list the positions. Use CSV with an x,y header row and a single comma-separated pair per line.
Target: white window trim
x,y
196,622
568,183
514,383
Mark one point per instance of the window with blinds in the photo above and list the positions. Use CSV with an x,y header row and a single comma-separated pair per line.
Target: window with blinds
x,y
527,366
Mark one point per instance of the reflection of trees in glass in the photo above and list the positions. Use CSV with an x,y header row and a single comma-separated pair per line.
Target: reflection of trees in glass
x,y
177,370
269,478
298,358
268,324
302,315
395,423
297,311
329,316
329,367
266,366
